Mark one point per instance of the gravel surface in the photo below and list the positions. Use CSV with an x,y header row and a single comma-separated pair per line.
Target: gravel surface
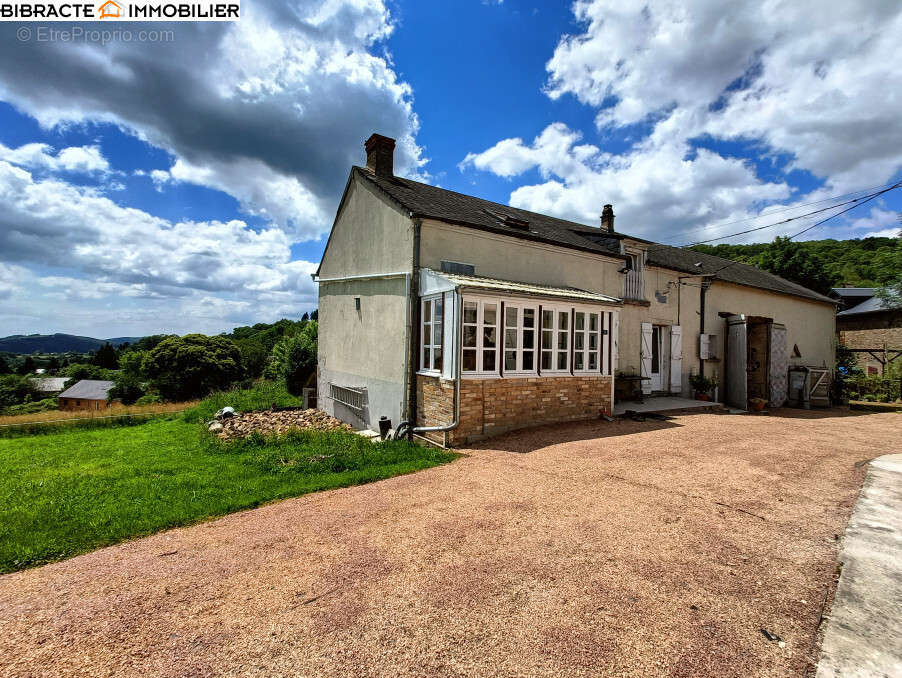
x,y
608,549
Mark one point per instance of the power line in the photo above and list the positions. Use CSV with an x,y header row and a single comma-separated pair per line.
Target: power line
x,y
857,201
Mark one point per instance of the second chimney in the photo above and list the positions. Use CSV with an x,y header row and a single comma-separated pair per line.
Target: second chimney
x,y
607,218
380,155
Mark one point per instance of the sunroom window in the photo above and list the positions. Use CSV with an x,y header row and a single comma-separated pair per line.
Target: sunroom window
x,y
479,351
519,338
555,340
586,333
432,333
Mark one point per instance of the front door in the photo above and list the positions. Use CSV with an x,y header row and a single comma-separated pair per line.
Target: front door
x,y
657,382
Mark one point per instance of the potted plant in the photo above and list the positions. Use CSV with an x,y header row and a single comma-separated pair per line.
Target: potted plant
x,y
757,404
702,385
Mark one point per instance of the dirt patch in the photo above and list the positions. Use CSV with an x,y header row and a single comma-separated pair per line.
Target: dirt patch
x,y
610,549
275,422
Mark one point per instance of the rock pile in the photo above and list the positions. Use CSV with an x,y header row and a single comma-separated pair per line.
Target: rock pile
x,y
269,422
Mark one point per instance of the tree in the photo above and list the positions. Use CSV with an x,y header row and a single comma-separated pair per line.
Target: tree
x,y
14,390
127,388
789,259
106,357
132,363
294,358
27,366
891,291
253,356
79,371
53,365
4,366
182,368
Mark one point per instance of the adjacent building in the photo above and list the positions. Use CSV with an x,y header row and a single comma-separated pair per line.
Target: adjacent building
x,y
466,317
868,325
87,394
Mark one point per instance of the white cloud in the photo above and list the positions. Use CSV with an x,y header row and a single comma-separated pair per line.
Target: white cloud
x,y
85,159
272,109
815,85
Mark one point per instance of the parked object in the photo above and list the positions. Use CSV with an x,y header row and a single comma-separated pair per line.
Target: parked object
x,y
225,413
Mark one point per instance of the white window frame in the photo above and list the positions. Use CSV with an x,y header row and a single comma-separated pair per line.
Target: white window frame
x,y
428,366
480,325
586,334
634,280
520,330
556,333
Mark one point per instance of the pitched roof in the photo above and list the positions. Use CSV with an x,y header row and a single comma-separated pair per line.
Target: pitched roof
x,y
854,291
872,305
88,389
49,384
428,201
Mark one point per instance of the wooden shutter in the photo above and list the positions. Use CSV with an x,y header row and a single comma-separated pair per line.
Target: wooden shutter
x,y
646,357
676,359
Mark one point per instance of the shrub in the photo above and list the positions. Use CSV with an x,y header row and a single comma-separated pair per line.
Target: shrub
x,y
183,368
869,397
854,395
149,399
15,390
127,389
701,383
293,359
33,407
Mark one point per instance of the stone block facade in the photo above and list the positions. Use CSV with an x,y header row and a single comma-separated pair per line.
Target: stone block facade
x,y
871,331
492,406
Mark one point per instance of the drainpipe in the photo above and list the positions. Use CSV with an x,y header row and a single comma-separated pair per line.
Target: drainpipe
x,y
413,298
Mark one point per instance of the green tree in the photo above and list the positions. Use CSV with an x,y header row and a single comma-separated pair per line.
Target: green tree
x,y
78,371
294,358
253,356
788,259
106,357
27,366
127,388
132,363
182,368
4,366
53,365
14,390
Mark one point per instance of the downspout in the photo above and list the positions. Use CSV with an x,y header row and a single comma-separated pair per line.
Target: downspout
x,y
701,323
414,316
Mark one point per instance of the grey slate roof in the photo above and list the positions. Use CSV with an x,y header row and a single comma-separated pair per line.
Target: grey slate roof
x,y
872,305
88,389
428,201
853,292
49,384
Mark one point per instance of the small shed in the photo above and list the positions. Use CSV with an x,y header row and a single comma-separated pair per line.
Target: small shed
x,y
87,394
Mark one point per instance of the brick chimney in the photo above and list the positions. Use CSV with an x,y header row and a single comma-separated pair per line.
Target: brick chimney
x,y
380,155
607,218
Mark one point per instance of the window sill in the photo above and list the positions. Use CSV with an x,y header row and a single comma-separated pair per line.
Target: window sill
x,y
429,373
636,302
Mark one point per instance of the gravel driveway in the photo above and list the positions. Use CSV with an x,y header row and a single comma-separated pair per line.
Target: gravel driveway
x,y
625,549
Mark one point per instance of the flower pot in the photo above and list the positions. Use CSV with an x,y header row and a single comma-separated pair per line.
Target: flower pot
x,y
757,404
702,396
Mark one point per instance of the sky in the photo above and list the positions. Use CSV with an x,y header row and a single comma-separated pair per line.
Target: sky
x,y
188,184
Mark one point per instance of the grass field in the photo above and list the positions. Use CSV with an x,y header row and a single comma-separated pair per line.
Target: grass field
x,y
112,411
67,492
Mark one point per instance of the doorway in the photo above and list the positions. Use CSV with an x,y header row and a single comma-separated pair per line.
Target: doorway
x,y
657,380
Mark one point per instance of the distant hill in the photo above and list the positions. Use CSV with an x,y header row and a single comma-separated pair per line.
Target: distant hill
x,y
56,343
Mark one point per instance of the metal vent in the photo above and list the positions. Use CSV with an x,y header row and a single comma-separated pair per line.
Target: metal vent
x,y
459,268
352,397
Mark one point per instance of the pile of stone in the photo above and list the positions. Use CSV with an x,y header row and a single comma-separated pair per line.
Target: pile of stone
x,y
229,424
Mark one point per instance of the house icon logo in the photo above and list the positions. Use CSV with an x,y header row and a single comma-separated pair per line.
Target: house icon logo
x,y
110,10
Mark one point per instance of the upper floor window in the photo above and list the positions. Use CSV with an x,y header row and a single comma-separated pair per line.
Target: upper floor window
x,y
634,280
432,332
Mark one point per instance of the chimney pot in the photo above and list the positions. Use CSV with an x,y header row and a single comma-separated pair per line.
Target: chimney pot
x,y
607,218
380,155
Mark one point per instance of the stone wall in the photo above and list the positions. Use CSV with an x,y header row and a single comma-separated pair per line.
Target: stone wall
x,y
492,406
873,338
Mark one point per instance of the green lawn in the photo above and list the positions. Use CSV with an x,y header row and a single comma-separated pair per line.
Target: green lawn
x,y
71,491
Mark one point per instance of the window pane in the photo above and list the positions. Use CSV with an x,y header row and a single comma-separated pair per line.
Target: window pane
x,y
470,335
546,360
488,337
529,317
470,312
510,316
528,340
562,338
593,361
437,357
561,360
547,320
488,361
529,361
427,311
547,339
579,341
510,360
427,335
438,309
579,321
490,314
593,322
469,361
563,319
510,338
577,361
593,342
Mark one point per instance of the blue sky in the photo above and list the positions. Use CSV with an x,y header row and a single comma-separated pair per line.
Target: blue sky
x,y
189,185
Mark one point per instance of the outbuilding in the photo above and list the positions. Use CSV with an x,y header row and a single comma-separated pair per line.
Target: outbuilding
x,y
87,394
